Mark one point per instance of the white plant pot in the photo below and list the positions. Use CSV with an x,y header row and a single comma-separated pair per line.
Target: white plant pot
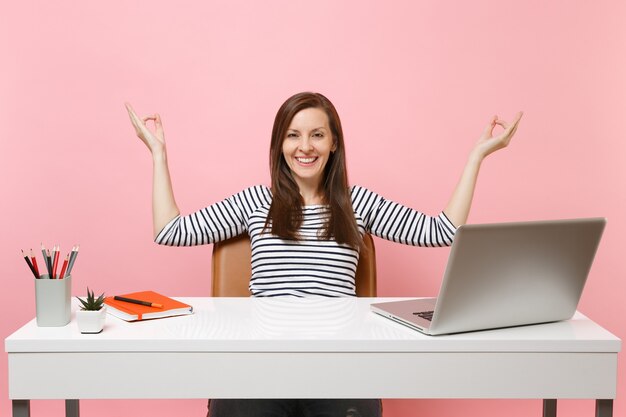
x,y
91,321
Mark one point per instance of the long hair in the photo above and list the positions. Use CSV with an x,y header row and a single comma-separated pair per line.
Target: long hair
x,y
286,212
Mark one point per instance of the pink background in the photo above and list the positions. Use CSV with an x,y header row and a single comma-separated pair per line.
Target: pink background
x,y
414,81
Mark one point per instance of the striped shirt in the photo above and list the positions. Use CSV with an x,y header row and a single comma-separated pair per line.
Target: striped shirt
x,y
311,265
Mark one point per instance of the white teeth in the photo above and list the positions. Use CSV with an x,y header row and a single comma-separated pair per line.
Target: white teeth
x,y
306,160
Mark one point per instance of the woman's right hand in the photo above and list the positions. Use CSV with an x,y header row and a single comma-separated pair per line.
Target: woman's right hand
x,y
164,206
155,141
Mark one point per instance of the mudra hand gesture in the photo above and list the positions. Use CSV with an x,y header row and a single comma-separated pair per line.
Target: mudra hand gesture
x,y
487,143
155,141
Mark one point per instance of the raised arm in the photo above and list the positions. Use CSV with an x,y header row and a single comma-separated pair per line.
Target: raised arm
x,y
460,203
164,206
393,221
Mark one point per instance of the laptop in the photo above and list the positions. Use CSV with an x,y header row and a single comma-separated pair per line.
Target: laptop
x,y
506,274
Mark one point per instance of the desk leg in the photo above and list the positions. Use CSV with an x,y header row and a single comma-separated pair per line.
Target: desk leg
x,y
71,408
21,408
604,408
549,408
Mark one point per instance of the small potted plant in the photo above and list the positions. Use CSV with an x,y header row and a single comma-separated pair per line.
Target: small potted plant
x,y
90,317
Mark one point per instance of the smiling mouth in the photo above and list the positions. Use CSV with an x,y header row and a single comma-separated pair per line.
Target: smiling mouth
x,y
307,161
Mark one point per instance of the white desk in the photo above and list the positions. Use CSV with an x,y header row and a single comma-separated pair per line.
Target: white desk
x,y
316,348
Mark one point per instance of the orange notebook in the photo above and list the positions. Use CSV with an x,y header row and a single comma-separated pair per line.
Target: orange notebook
x,y
133,312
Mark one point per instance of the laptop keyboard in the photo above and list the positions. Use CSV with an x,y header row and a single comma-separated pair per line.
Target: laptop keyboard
x,y
426,315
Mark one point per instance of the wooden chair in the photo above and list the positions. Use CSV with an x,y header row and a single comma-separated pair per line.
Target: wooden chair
x,y
231,269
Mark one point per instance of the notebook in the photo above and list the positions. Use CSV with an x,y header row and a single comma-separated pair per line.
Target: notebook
x,y
506,274
133,312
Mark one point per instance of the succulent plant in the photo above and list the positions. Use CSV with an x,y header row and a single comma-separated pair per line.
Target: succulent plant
x,y
92,303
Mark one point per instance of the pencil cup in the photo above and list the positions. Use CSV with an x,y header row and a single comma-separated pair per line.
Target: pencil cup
x,y
52,299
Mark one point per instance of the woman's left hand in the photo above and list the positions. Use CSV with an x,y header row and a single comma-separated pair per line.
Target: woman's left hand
x,y
459,205
487,143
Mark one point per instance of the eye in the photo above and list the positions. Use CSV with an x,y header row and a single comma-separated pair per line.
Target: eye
x,y
291,135
318,135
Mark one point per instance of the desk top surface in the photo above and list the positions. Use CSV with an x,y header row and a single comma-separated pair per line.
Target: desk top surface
x,y
301,325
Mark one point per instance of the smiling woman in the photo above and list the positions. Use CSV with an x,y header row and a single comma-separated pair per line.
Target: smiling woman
x,y
306,149
306,230
308,166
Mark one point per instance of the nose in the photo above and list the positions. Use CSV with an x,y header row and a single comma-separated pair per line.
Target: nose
x,y
305,144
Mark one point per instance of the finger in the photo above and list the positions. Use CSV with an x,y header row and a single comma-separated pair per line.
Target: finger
x,y
502,123
133,117
518,117
489,128
147,118
138,124
513,131
159,125
130,110
134,120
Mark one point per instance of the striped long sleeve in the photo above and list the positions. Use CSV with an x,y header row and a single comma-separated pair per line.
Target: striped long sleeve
x,y
392,221
217,222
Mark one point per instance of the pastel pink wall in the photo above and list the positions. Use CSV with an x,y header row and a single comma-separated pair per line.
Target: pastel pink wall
x,y
414,81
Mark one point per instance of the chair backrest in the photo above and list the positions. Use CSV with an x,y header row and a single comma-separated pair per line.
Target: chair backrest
x,y
231,269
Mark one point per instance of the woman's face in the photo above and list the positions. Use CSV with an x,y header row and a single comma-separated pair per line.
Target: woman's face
x,y
307,146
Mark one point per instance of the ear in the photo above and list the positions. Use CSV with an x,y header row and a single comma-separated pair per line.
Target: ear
x,y
334,148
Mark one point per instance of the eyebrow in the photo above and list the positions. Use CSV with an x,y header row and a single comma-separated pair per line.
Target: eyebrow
x,y
317,128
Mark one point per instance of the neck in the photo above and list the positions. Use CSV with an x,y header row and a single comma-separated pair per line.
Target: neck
x,y
311,194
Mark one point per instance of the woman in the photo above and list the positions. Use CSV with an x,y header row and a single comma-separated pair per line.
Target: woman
x,y
306,230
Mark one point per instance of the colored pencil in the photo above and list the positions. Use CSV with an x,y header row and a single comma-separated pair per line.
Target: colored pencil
x,y
45,259
55,262
62,274
34,260
73,256
49,261
30,265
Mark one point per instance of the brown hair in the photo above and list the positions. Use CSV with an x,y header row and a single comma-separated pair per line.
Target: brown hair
x,y
285,214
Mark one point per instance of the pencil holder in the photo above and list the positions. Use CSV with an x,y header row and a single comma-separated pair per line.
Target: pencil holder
x,y
53,300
